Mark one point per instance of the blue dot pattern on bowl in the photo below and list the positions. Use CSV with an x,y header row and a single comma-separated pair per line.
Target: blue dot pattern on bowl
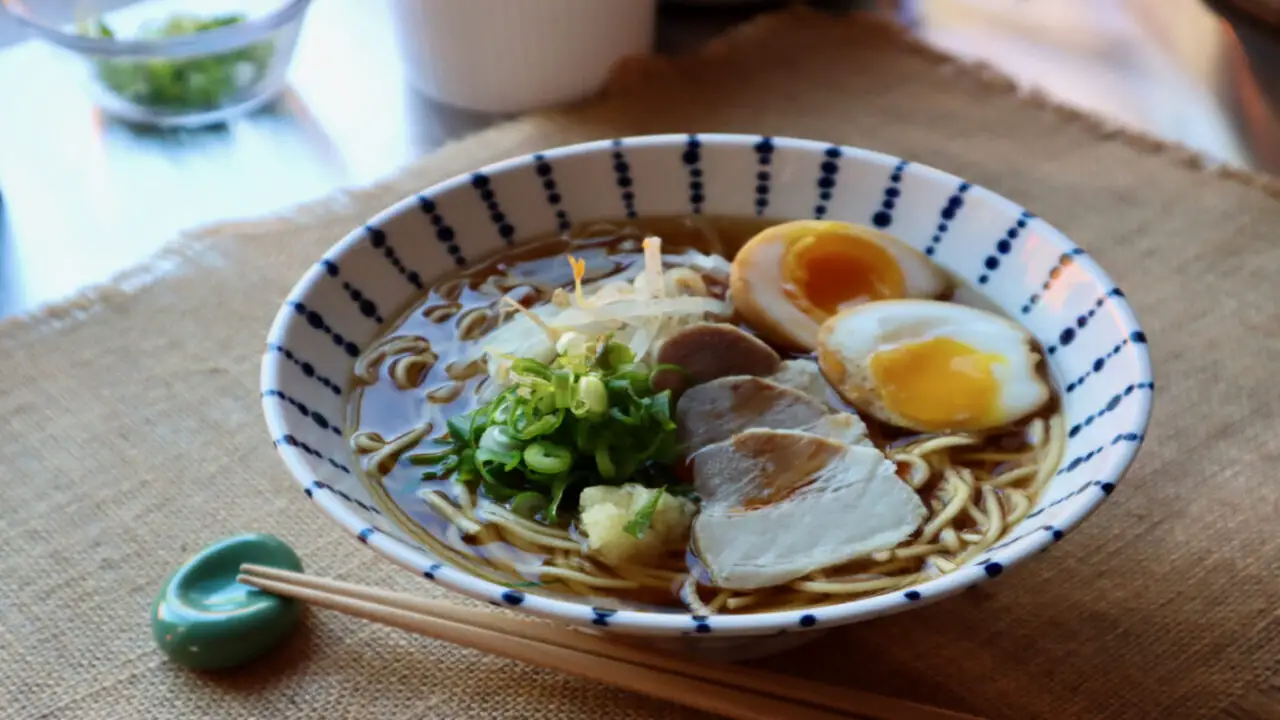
x,y
622,173
602,615
294,442
318,486
317,322
691,157
1064,260
367,307
1101,362
1004,246
764,158
484,188
883,217
827,171
331,316
946,216
1069,333
307,368
314,415
444,233
378,240
546,175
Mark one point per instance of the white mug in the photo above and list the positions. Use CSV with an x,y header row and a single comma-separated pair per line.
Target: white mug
x,y
504,56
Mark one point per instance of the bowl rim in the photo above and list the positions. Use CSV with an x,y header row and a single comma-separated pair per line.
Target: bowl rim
x,y
221,39
1009,552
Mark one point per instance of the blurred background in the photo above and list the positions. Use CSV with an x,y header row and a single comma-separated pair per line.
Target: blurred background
x,y
84,196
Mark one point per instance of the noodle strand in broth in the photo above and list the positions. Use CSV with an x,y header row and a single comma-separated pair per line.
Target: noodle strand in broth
x,y
429,368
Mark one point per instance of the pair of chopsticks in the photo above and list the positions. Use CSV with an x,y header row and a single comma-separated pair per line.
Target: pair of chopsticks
x,y
730,690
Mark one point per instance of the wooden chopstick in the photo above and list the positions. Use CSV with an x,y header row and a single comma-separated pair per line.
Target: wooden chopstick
x,y
699,694
709,686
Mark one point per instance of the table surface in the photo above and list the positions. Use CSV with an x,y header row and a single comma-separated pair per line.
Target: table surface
x,y
83,198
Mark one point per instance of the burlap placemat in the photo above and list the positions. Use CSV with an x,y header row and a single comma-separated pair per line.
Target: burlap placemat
x,y
132,434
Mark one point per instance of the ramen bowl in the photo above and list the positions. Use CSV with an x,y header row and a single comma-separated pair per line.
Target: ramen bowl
x,y
1009,258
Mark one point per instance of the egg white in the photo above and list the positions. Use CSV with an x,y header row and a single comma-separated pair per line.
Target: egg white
x,y
848,340
757,278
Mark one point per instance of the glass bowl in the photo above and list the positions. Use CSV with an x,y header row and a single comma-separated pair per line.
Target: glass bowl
x,y
177,64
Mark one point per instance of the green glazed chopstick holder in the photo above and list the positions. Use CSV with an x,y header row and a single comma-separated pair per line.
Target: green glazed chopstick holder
x,y
205,620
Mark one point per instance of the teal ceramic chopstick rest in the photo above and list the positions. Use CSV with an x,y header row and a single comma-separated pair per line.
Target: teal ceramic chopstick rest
x,y
204,619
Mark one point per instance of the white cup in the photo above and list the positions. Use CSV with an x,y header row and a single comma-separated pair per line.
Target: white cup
x,y
504,56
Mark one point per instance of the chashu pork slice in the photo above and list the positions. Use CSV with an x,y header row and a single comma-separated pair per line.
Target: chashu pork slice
x,y
804,375
707,351
780,504
841,427
717,410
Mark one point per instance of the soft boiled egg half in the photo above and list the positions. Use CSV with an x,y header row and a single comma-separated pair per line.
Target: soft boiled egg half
x,y
790,278
932,366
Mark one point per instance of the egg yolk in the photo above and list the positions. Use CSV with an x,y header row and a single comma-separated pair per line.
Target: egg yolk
x,y
938,384
828,271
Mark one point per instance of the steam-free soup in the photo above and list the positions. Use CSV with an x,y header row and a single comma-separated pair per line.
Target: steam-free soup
x,y
713,415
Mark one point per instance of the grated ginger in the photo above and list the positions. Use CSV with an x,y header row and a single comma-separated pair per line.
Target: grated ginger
x,y
605,511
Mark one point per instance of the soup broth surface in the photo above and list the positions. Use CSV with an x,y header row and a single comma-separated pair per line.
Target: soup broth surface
x,y
391,402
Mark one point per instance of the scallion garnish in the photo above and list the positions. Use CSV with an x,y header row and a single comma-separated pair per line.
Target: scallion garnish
x,y
199,82
639,523
588,417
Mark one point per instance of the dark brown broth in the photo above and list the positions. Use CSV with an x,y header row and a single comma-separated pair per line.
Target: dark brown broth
x,y
389,411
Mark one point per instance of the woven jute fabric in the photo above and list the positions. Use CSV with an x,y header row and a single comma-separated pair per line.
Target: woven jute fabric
x,y
132,433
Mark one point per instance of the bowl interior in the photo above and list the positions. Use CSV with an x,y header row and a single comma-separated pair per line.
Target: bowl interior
x,y
1016,261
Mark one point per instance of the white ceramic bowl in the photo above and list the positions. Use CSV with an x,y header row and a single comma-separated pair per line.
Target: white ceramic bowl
x,y
1096,351
499,56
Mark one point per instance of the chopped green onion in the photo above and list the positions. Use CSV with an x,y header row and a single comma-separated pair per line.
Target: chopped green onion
x,y
584,438
562,388
588,417
592,397
528,504
498,438
532,368
459,427
498,492
430,458
442,469
488,458
611,355
659,407
467,471
622,417
620,389
544,425
548,458
557,495
195,82
639,523
604,463
637,376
